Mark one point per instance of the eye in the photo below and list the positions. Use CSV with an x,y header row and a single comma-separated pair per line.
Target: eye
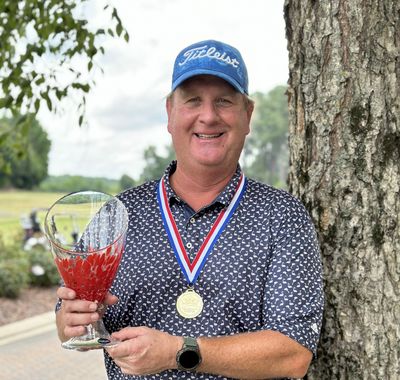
x,y
194,100
223,102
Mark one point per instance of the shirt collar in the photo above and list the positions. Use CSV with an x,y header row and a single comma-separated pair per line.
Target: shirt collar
x,y
224,198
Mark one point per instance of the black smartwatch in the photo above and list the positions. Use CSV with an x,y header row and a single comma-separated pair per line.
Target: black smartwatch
x,y
188,357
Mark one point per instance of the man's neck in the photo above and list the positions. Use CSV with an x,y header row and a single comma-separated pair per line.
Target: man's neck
x,y
200,188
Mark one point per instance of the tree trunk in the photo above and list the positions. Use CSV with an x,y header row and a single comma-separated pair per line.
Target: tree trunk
x,y
344,103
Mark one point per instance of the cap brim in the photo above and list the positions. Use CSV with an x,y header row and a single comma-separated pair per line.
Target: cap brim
x,y
193,73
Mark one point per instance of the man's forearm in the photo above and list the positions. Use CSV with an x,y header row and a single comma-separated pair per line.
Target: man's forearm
x,y
255,355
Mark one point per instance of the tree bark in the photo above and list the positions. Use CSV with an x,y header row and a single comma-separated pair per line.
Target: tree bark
x,y
344,110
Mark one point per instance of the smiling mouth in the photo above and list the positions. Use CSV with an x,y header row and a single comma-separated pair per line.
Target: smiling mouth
x,y
208,137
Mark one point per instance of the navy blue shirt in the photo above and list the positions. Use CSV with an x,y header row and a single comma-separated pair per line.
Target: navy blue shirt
x,y
264,272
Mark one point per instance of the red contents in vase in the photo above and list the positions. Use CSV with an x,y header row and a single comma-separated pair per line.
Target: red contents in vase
x,y
92,274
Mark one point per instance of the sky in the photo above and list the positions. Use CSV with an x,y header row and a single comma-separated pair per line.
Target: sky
x,y
126,108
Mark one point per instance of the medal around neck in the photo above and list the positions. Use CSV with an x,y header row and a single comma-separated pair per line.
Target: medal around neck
x,y
189,304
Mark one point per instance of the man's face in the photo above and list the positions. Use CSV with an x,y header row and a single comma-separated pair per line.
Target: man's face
x,y
208,121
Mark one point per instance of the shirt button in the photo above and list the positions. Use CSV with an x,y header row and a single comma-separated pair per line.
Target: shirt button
x,y
189,245
192,220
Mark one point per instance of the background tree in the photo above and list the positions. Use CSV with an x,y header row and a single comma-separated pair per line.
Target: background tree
x,y
155,164
27,170
266,150
48,53
126,182
70,183
344,91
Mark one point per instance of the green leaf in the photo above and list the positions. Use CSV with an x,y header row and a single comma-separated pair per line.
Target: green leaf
x,y
115,15
59,94
81,86
40,80
37,105
6,102
45,96
119,29
92,52
19,99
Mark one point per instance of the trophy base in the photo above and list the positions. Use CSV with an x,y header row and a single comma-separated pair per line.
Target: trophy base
x,y
96,338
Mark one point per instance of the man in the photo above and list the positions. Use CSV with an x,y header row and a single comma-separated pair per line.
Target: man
x,y
221,275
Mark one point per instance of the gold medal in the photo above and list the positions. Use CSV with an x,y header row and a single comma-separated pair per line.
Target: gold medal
x,y
189,304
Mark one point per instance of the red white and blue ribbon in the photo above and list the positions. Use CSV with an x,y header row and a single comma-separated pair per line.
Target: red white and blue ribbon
x,y
191,270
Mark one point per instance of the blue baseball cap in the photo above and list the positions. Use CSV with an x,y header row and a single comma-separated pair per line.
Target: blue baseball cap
x,y
213,58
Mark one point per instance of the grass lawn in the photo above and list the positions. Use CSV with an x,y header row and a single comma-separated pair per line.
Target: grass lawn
x,y
14,204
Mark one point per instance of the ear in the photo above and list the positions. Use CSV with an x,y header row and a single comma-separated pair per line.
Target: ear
x,y
250,109
249,112
168,106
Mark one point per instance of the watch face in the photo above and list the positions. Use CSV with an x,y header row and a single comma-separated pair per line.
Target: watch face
x,y
189,359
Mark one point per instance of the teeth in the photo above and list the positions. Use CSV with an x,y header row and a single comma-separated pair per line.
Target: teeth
x,y
208,136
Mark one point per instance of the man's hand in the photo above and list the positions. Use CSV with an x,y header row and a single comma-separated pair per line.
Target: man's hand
x,y
144,351
75,314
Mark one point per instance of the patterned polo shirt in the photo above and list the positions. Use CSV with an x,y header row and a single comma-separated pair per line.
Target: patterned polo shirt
x,y
263,273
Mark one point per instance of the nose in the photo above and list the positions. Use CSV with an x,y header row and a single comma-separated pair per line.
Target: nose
x,y
209,113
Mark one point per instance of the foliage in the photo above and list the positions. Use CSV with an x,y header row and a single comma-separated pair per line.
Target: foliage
x,y
266,149
43,269
126,182
40,39
13,277
23,170
18,267
48,53
68,183
155,164
14,269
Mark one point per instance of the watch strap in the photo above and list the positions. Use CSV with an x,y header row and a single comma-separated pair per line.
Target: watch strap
x,y
189,347
190,342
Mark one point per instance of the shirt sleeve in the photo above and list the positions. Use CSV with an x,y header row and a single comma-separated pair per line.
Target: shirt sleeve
x,y
294,300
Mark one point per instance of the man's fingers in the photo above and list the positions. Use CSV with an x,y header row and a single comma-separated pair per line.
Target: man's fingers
x,y
128,333
127,347
122,350
77,319
71,331
110,299
79,306
65,293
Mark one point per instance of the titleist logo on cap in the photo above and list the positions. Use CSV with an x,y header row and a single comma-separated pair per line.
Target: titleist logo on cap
x,y
212,53
211,57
